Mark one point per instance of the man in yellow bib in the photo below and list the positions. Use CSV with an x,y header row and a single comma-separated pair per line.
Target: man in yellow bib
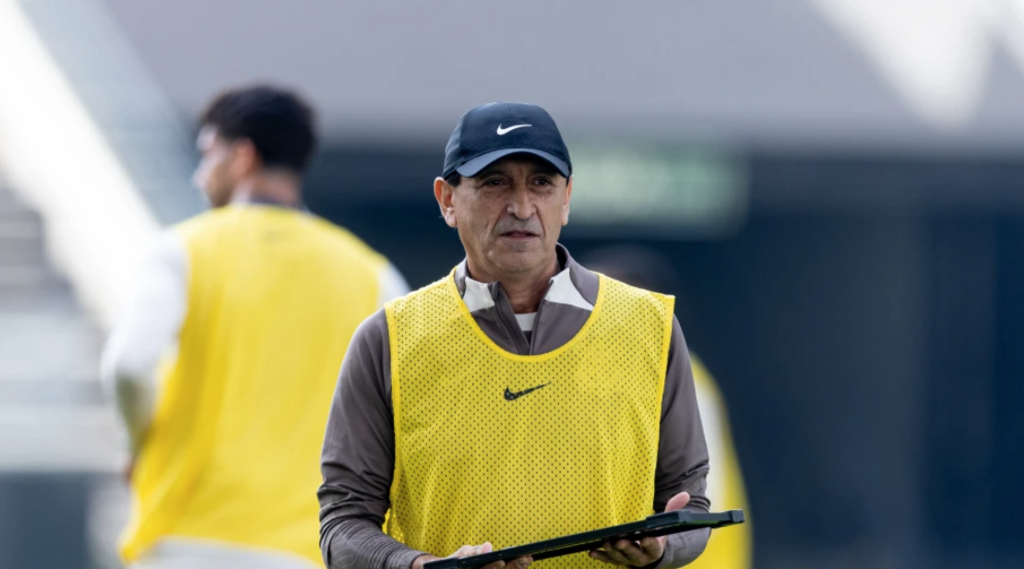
x,y
261,299
520,397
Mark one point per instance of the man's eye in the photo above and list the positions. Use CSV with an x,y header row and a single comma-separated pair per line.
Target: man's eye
x,y
542,182
494,182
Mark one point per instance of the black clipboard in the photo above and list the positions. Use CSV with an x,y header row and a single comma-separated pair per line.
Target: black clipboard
x,y
652,526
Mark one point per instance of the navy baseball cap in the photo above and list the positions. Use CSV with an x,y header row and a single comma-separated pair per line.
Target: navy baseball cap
x,y
492,131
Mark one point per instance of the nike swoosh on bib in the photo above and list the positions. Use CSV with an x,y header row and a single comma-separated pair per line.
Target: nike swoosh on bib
x,y
504,131
512,396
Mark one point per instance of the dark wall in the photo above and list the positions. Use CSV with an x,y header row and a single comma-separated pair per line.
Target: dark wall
x,y
869,355
43,520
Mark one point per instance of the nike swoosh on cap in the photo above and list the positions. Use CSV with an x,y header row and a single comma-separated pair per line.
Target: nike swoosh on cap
x,y
504,131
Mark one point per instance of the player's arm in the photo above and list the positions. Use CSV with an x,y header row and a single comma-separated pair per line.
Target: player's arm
x,y
147,328
680,479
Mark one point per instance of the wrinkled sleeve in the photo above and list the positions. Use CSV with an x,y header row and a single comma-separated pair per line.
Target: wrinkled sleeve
x,y
357,461
682,453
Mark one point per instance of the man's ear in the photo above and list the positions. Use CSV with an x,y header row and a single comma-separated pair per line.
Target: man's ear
x,y
565,206
445,193
246,158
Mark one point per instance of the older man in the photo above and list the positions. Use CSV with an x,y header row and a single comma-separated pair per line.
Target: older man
x,y
521,397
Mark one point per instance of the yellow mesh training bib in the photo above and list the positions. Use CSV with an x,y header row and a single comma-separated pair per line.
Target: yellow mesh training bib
x,y
493,446
233,453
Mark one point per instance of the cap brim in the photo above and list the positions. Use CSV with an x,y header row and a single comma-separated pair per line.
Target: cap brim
x,y
473,167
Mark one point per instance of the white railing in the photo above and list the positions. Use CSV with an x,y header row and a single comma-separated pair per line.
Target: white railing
x,y
53,153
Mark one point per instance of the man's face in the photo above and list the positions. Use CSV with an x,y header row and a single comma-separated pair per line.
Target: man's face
x,y
216,173
509,216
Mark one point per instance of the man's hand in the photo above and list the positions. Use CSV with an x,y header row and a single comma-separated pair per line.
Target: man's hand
x,y
648,551
470,550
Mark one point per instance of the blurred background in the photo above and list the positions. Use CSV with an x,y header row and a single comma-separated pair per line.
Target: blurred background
x,y
838,186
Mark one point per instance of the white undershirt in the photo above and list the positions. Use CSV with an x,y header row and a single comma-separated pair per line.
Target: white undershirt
x,y
526,321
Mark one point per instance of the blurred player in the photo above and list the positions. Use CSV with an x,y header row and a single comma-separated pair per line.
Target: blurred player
x,y
260,299
727,549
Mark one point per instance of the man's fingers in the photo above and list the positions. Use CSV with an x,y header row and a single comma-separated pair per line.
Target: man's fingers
x,y
486,547
653,547
678,502
630,550
602,556
464,551
470,550
625,552
520,562
524,561
616,555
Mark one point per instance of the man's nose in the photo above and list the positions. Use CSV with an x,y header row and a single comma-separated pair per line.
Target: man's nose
x,y
520,205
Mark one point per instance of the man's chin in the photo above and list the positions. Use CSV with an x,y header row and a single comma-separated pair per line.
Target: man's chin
x,y
520,262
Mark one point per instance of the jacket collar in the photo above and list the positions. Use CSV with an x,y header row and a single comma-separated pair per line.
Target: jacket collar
x,y
573,285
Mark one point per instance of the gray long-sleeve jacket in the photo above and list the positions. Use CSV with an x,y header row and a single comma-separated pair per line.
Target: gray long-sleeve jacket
x,y
359,446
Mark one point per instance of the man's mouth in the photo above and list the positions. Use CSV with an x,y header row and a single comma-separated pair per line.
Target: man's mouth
x,y
518,234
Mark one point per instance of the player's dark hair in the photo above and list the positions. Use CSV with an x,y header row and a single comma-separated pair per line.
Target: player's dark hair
x,y
277,122
454,179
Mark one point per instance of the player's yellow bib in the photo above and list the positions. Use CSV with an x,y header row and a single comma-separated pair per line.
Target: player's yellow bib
x,y
274,297
493,446
730,548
